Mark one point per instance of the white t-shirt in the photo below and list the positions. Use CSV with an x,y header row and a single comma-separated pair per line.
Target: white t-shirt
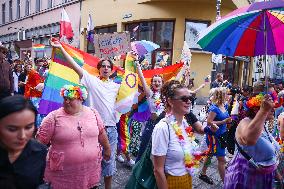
x,y
161,146
16,81
101,96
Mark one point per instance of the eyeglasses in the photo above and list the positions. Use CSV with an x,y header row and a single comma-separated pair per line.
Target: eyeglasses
x,y
184,98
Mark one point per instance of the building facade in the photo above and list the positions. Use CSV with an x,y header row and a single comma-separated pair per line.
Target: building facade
x,y
28,22
168,23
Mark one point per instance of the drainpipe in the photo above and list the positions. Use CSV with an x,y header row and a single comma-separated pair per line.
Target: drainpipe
x,y
80,23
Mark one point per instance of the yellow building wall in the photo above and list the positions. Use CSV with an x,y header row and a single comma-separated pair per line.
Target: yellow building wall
x,y
109,12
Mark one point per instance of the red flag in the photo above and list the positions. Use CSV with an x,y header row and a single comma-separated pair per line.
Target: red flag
x,y
65,26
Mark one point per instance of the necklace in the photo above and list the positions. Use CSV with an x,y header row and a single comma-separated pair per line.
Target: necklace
x,y
279,139
159,106
192,155
103,79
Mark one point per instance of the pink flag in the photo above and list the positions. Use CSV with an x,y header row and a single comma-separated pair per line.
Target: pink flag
x,y
65,26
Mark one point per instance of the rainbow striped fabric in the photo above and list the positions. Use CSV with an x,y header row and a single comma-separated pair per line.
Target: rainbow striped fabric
x,y
128,92
124,132
38,47
61,74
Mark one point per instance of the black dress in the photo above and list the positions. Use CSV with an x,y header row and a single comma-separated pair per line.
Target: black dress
x,y
27,171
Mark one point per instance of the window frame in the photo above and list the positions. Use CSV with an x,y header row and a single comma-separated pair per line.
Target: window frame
x,y
207,22
50,4
38,6
3,13
10,10
154,53
96,31
18,9
27,7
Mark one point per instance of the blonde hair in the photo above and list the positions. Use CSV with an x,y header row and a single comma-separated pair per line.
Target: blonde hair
x,y
218,95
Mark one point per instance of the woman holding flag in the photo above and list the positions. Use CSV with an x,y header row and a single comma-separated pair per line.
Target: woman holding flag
x,y
153,95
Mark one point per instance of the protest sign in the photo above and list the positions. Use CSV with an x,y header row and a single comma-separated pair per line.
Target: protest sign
x,y
111,44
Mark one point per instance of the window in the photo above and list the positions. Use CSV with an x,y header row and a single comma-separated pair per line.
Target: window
x,y
18,9
50,3
10,10
159,32
38,3
109,29
27,7
192,31
3,13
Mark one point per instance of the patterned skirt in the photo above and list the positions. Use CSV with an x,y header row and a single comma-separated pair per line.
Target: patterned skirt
x,y
135,137
242,175
179,182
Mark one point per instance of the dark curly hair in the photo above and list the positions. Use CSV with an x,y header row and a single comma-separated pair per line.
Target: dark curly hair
x,y
168,90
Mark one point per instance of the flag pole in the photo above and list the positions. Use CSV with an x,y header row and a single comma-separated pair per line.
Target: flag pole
x,y
265,51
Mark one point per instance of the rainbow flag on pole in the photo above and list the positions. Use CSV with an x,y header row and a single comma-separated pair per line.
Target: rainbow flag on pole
x,y
39,47
61,74
128,92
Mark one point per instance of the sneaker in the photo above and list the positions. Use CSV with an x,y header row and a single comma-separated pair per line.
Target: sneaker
x,y
130,163
120,159
206,179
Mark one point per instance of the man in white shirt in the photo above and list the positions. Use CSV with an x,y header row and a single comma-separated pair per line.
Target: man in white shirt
x,y
102,96
16,74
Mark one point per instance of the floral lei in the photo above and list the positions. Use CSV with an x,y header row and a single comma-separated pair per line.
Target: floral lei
x,y
159,106
192,156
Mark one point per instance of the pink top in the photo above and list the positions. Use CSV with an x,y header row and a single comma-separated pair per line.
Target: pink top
x,y
74,157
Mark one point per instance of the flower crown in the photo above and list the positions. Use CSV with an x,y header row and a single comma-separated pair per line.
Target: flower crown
x,y
76,92
255,101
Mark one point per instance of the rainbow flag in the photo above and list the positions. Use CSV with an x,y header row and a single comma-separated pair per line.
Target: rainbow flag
x,y
124,133
38,47
142,112
128,92
61,74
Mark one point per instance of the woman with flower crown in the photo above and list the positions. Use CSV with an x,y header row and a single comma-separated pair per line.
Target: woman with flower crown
x,y
175,153
254,165
153,95
76,136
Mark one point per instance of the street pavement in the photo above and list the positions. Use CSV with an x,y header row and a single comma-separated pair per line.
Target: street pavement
x,y
123,172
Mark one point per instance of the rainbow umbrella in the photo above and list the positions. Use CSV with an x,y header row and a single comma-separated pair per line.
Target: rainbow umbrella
x,y
257,29
143,47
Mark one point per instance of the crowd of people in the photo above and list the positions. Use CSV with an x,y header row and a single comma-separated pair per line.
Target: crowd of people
x,y
75,146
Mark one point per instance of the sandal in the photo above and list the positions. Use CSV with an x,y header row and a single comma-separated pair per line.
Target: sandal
x,y
206,179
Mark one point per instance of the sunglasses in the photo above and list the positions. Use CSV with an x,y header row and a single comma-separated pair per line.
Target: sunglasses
x,y
185,98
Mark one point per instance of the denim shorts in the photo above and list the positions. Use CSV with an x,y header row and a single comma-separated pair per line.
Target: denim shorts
x,y
109,168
